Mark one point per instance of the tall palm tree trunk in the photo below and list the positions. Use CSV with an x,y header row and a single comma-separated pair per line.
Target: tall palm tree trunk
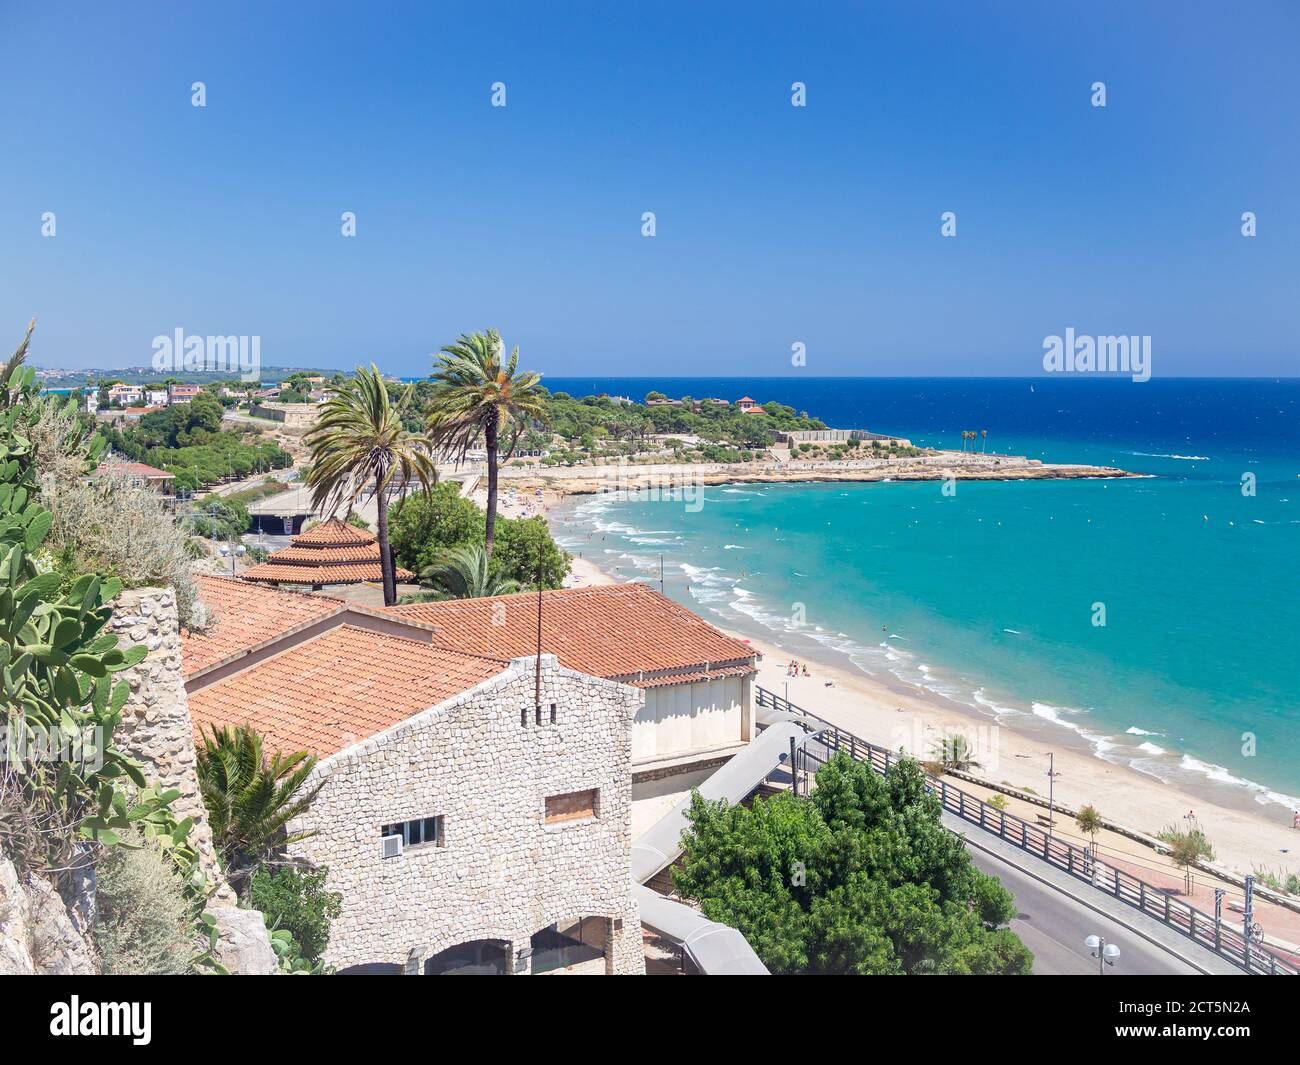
x,y
490,441
385,555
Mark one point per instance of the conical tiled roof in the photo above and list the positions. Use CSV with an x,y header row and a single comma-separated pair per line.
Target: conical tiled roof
x,y
333,533
332,552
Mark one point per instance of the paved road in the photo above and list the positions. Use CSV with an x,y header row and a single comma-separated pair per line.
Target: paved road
x,y
1054,926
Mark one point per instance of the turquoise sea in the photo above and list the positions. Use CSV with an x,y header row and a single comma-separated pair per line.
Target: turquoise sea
x,y
988,596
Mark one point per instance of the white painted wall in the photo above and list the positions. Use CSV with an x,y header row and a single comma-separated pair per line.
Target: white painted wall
x,y
681,719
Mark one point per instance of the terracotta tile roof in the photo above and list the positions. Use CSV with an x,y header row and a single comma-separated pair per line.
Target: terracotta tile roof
x,y
245,616
293,573
324,556
694,675
332,552
337,689
333,533
617,631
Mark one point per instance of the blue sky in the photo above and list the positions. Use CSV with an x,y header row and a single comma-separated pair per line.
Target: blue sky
x,y
775,224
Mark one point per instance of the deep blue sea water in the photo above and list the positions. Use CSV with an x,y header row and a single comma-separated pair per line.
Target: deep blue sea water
x,y
988,596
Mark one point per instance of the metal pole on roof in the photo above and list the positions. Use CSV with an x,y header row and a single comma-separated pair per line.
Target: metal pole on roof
x,y
537,670
661,573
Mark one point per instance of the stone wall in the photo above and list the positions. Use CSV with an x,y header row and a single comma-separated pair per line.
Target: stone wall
x,y
501,872
156,728
293,415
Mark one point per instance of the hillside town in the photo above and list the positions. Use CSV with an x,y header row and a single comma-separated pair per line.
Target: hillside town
x,y
378,722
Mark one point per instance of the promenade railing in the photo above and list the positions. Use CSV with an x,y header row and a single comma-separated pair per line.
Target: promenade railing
x,y
826,740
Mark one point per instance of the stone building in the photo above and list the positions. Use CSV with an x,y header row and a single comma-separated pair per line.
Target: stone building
x,y
292,415
476,811
697,680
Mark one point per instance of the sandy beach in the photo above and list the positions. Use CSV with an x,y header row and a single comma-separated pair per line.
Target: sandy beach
x,y
893,716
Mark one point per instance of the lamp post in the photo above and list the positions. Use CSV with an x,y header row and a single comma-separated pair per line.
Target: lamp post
x,y
1105,953
1051,794
239,551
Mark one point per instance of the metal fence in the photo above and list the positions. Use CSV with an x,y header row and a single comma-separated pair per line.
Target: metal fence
x,y
826,740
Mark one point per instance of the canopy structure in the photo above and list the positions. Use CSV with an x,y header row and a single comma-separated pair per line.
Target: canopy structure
x,y
716,949
332,552
660,845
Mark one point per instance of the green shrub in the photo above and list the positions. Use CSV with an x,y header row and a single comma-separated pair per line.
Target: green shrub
x,y
295,900
144,921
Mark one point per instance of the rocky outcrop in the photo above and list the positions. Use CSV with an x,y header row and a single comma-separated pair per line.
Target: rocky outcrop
x,y
243,943
156,728
37,935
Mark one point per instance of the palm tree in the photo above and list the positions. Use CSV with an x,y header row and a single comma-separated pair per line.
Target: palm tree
x,y
462,573
1089,822
985,434
359,444
955,752
251,800
476,394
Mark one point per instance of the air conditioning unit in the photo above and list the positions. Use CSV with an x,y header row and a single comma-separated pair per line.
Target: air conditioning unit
x,y
390,847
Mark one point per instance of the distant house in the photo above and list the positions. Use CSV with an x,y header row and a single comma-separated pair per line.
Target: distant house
x,y
697,680
137,473
125,395
718,402
90,401
747,406
475,813
155,397
182,393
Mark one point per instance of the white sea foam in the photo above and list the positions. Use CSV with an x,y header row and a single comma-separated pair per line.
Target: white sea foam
x,y
1133,730
1184,458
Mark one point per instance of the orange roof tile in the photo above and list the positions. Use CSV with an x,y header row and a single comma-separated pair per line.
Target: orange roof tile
x,y
617,631
324,556
337,689
245,616
293,573
333,533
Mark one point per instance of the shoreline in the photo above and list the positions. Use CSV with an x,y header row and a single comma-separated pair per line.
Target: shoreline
x,y
684,476
894,714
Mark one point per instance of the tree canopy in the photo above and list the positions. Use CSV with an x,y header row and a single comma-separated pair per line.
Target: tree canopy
x,y
859,878
424,526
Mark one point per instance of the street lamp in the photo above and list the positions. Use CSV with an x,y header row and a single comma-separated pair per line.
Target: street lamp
x,y
238,552
1105,953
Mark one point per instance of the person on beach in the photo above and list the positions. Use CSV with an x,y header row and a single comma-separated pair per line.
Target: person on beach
x,y
805,670
1295,818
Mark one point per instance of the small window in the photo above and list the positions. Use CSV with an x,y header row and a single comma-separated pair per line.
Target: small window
x,y
539,713
523,717
571,806
424,832
552,713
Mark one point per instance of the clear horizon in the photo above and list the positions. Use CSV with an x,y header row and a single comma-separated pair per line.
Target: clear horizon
x,y
775,225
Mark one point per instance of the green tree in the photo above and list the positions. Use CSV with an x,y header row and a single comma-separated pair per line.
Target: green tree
x,y
478,395
424,524
861,877
250,799
954,752
464,573
359,445
1187,848
295,899
526,553
1089,822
